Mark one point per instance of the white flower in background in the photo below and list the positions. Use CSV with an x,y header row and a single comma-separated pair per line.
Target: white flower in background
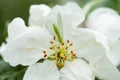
x,y
107,22
38,14
67,51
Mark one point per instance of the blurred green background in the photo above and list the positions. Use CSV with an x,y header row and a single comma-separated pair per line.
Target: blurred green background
x,y
9,9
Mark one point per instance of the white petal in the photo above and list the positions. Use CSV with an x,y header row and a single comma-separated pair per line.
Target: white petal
x,y
105,21
16,27
87,44
38,14
114,54
71,16
42,71
105,70
76,70
2,47
27,47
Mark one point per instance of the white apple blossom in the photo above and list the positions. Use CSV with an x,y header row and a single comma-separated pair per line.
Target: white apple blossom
x,y
107,22
38,14
68,52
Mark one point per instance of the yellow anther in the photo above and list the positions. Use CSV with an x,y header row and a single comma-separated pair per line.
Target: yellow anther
x,y
44,51
51,42
51,48
62,65
68,41
45,55
71,52
62,44
58,47
66,48
71,44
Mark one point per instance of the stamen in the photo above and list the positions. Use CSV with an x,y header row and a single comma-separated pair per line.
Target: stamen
x,y
44,51
66,48
51,48
62,44
74,55
65,58
58,47
51,42
62,65
71,44
68,41
45,55
71,52
54,54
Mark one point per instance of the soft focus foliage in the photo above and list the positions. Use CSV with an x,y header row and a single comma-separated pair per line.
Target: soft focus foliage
x,y
10,9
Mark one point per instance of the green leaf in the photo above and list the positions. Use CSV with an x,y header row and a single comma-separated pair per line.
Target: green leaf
x,y
11,73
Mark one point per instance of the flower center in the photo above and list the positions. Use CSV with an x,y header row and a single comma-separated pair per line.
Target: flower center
x,y
61,52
